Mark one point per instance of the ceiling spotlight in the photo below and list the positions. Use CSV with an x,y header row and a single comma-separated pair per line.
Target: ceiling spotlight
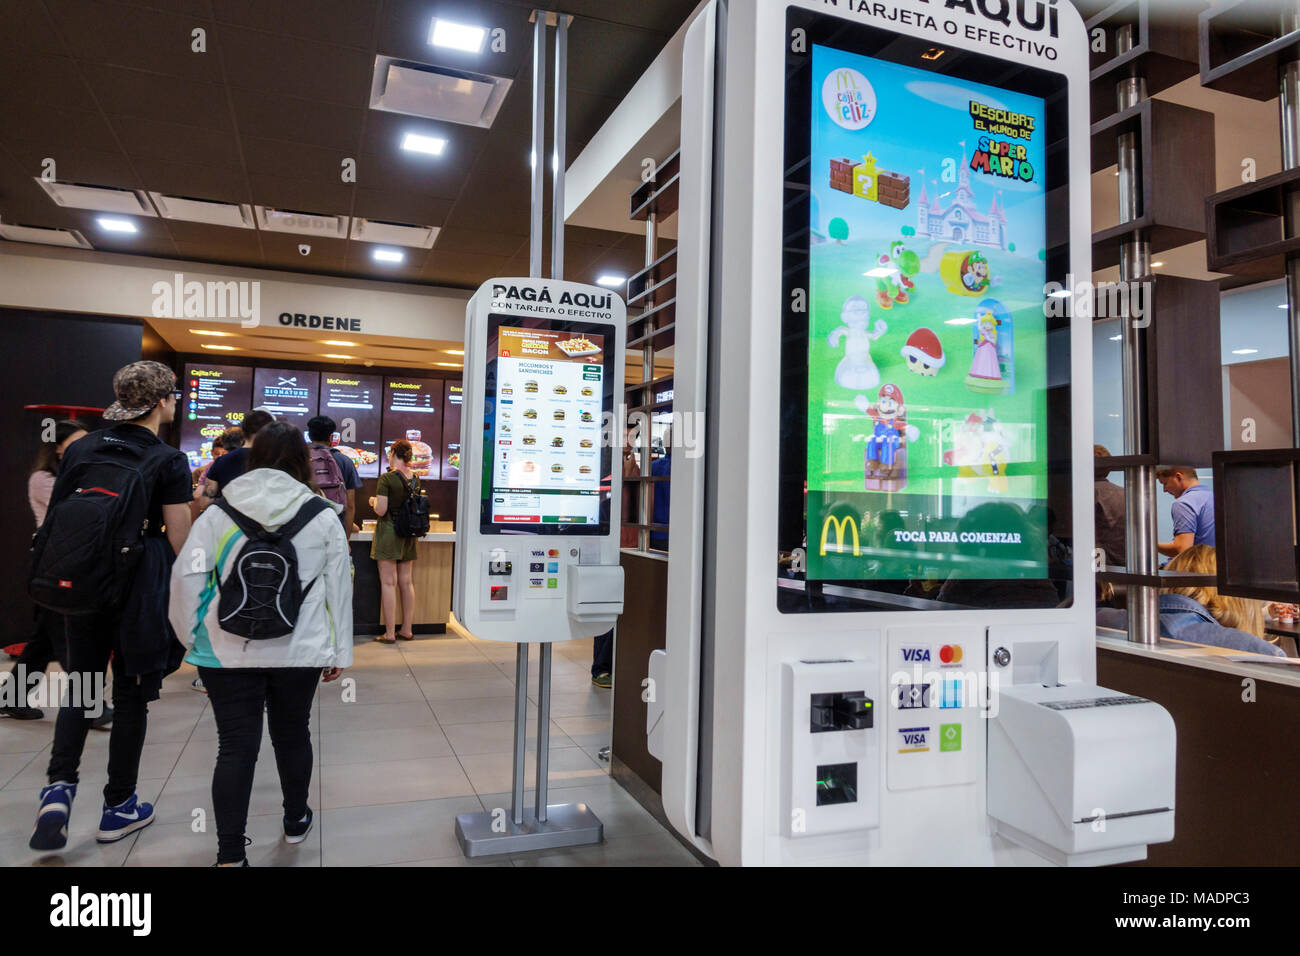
x,y
219,348
220,335
389,255
415,143
454,351
456,36
327,355
1244,351
346,345
1156,265
109,224
611,281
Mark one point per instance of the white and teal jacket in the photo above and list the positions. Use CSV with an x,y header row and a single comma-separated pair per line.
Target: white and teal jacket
x,y
323,637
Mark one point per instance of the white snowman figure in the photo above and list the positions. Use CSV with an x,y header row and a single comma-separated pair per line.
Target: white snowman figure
x,y
856,371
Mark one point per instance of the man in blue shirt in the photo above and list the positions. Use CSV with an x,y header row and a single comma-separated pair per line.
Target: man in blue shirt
x,y
321,432
1193,511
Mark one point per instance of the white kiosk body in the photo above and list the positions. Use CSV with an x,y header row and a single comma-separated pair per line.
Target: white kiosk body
x,y
874,654
537,531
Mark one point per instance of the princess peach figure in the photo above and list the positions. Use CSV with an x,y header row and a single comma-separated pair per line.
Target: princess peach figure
x,y
985,375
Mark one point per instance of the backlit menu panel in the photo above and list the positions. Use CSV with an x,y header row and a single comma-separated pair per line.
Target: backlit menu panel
x,y
413,410
453,393
289,394
215,397
355,402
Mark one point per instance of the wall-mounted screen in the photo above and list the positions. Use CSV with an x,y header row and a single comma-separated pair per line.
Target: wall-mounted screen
x,y
452,396
919,374
355,402
413,410
291,395
215,397
549,391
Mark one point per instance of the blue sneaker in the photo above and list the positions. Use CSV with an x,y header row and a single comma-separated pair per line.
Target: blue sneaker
x,y
51,830
295,831
124,819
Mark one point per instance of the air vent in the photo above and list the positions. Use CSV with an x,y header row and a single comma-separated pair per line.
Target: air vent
x,y
455,96
100,198
394,233
235,215
46,237
301,223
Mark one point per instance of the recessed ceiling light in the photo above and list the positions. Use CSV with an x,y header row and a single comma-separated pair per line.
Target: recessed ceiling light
x,y
450,364
959,322
1156,265
109,224
219,348
415,143
456,36
346,345
454,351
220,335
328,355
389,255
1244,351
1116,338
610,280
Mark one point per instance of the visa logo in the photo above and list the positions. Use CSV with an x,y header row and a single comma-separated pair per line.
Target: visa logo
x,y
916,655
914,740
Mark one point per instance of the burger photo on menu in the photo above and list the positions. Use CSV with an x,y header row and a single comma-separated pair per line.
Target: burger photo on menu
x,y
507,390
421,454
587,392
530,413
561,390
557,442
559,415
585,443
528,440
530,387
586,416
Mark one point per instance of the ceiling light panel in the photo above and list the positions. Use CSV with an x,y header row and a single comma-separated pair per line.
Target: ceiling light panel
x,y
301,223
456,36
99,198
394,233
453,96
235,215
46,237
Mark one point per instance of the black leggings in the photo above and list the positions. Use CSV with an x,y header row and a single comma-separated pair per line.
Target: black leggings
x,y
238,696
84,645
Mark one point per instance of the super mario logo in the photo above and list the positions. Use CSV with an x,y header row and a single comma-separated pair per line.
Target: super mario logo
x,y
1000,157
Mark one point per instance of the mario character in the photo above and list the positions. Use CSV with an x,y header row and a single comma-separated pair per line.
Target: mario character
x,y
890,431
975,273
894,271
924,353
856,371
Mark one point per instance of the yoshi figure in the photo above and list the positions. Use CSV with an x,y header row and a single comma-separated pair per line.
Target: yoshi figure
x,y
893,275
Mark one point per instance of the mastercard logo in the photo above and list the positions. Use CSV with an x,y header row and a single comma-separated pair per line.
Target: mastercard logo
x,y
950,654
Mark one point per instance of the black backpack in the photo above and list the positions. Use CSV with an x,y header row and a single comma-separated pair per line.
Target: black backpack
x,y
411,520
262,595
85,554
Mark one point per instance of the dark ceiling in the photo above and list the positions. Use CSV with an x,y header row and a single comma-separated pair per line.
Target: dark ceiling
x,y
111,90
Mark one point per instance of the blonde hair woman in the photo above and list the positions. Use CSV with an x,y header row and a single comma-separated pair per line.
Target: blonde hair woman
x,y
1243,614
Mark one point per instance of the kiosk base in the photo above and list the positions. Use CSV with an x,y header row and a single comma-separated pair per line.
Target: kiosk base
x,y
566,824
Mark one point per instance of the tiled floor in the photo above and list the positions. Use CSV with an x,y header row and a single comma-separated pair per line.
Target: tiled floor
x,y
425,733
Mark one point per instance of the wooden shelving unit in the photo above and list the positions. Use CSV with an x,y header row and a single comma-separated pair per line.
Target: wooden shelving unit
x,y
1240,48
1165,51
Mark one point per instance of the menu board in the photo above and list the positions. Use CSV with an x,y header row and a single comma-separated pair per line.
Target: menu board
x,y
354,402
547,431
413,410
453,394
288,394
927,365
215,398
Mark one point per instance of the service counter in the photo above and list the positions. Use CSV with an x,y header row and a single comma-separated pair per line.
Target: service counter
x,y
1237,748
433,569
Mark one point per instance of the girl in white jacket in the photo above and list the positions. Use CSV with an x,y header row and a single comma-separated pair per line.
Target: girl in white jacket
x,y
279,675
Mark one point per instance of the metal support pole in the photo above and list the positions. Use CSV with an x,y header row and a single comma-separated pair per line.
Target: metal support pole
x,y
558,146
1289,107
521,733
1139,480
539,146
543,730
643,509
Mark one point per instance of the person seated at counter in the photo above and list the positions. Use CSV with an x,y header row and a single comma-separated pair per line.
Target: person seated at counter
x,y
395,555
1201,615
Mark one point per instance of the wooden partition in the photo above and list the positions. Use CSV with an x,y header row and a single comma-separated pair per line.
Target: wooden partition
x,y
640,631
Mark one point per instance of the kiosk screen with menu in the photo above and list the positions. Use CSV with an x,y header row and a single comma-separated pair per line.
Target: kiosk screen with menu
x,y
921,369
215,398
549,395
353,401
453,395
413,410
290,395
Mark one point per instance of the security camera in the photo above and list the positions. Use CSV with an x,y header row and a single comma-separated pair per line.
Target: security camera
x,y
304,249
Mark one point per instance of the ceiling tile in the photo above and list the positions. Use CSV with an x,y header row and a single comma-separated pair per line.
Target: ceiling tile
x,y
51,129
188,179
103,31
350,23
324,72
27,29
287,193
93,167
156,140
272,116
123,92
407,206
27,77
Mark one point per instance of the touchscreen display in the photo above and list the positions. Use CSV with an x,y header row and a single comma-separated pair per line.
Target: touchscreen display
x,y
549,392
923,368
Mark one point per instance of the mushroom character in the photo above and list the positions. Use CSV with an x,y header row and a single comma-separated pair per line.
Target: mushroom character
x,y
924,353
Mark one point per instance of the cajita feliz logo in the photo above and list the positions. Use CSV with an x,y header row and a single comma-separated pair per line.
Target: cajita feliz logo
x,y
849,99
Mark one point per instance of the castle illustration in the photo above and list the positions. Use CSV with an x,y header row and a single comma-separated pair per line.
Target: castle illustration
x,y
961,221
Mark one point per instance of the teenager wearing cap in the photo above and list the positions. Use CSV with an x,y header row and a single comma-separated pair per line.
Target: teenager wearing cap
x,y
135,635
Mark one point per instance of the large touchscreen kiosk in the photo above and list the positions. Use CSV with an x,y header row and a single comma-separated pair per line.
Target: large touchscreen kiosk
x,y
548,395
927,361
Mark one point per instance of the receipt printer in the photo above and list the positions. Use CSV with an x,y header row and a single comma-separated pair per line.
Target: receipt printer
x,y
1081,775
595,593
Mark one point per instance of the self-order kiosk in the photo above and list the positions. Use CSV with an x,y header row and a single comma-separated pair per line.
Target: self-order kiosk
x,y
878,649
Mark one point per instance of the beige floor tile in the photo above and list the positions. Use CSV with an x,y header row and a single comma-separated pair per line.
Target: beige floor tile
x,y
591,702
393,781
372,746
156,762
590,733
182,796
462,689
11,764
498,736
430,672
176,844
373,686
649,850
372,836
18,814
357,717
491,773
472,711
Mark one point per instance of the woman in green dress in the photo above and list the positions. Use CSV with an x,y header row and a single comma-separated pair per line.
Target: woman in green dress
x,y
394,555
